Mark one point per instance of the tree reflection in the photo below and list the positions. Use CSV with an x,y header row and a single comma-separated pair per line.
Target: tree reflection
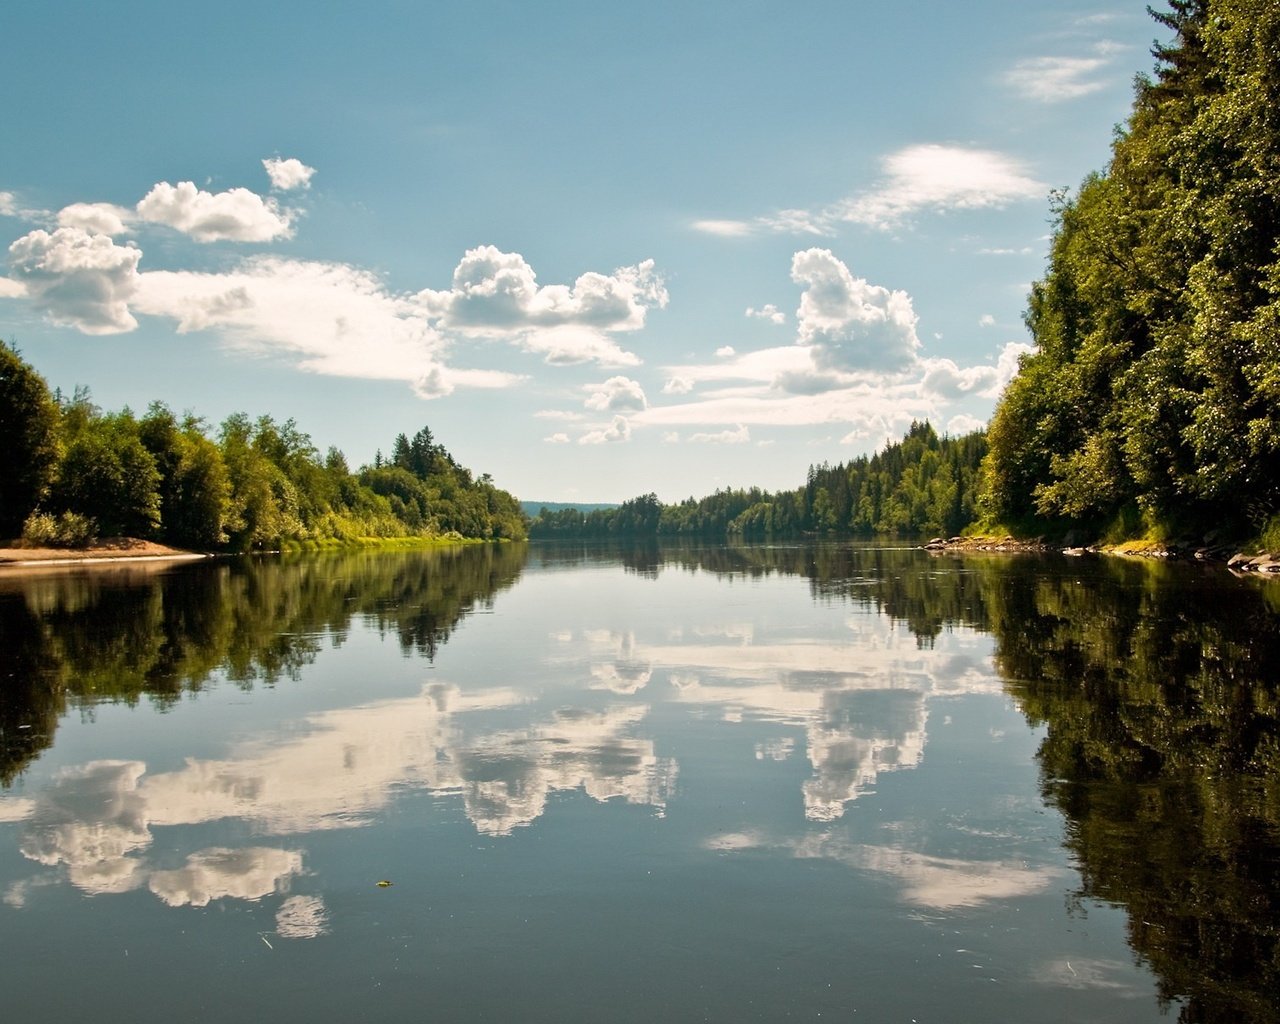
x,y
71,639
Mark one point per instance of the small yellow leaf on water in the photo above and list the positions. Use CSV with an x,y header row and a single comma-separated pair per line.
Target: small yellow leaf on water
x,y
383,884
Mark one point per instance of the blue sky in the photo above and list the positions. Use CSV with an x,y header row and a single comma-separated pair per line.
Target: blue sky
x,y
600,249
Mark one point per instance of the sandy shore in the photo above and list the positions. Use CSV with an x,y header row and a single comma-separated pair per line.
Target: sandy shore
x,y
116,549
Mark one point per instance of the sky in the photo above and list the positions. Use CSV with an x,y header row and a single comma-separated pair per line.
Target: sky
x,y
600,249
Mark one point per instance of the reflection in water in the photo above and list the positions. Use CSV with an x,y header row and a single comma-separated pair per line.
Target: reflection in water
x,y
1157,689
73,638
99,819
862,701
937,883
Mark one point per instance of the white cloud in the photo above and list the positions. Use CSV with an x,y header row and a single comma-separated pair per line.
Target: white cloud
x,y
724,228
618,430
499,290
559,438
677,386
671,437
95,218
237,215
986,320
739,435
725,351
942,377
573,344
617,394
1055,79
496,294
799,222
938,178
8,204
963,424
558,414
334,318
77,279
928,177
768,312
851,325
10,289
288,174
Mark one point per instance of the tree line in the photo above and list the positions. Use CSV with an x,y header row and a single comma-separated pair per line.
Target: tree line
x,y
923,484
71,472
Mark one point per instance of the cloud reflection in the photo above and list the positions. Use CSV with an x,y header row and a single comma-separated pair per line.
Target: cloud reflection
x,y
338,771
935,883
862,703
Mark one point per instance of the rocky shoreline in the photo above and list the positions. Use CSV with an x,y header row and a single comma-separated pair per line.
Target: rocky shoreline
x,y
1236,561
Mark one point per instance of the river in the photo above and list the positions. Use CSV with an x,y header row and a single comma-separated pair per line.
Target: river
x,y
560,783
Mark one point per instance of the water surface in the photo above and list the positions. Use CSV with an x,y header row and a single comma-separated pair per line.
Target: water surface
x,y
717,784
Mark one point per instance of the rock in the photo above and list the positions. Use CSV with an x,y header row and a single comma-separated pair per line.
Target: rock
x,y
1238,561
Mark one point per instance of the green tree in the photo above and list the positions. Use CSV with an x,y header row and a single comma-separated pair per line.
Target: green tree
x,y
29,452
108,475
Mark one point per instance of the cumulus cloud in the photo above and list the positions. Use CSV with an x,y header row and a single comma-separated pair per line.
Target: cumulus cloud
x,y
850,324
557,438
617,394
8,204
237,215
739,435
496,294
495,289
1055,79
95,218
768,312
618,430
725,351
78,279
986,320
288,174
677,386
10,289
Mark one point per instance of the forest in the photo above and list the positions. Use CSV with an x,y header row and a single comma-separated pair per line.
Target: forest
x,y
921,485
70,473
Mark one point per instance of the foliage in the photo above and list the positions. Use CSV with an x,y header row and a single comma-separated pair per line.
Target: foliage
x,y
29,427
1154,393
68,530
258,485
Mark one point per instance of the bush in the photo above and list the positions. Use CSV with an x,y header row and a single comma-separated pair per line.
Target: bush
x,y
69,530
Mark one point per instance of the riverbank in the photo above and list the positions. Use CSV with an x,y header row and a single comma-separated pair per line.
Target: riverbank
x,y
131,549
115,549
1228,555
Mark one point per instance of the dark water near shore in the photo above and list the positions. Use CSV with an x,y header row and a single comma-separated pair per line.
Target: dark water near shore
x,y
683,784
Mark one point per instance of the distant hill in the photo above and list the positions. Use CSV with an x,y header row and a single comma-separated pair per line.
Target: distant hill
x,y
532,508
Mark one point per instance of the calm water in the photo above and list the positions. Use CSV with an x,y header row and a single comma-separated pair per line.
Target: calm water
x,y
667,785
